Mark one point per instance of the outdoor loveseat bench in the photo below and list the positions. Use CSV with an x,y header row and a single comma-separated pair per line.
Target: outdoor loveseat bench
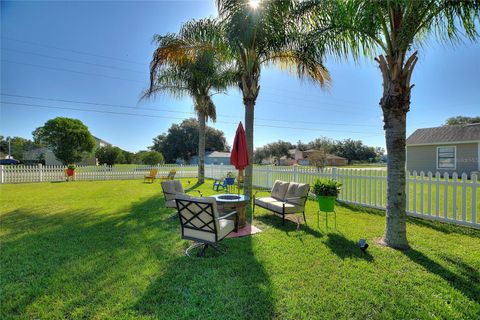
x,y
285,198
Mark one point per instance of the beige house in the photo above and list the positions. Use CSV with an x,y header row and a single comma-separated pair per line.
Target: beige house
x,y
46,155
301,157
445,149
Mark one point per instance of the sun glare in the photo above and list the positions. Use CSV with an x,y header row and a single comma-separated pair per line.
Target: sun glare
x,y
254,4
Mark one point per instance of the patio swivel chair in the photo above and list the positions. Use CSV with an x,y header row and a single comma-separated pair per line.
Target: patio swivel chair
x,y
200,222
171,189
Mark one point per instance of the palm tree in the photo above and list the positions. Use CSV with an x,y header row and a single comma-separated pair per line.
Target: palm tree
x,y
266,33
199,75
392,31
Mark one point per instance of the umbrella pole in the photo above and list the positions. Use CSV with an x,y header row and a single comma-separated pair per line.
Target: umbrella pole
x,y
239,180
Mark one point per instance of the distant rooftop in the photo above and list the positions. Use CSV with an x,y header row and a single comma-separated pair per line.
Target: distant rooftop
x,y
218,154
455,133
101,141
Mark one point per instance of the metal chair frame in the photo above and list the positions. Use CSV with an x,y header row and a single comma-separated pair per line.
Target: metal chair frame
x,y
209,226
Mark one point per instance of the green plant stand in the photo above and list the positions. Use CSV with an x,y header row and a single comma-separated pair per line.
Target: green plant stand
x,y
327,205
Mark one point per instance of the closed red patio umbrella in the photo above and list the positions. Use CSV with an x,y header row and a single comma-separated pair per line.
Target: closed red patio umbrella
x,y
239,156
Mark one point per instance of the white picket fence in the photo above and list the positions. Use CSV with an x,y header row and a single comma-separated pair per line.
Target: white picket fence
x,y
39,173
446,198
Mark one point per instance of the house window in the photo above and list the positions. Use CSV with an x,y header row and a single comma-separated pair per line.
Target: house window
x,y
446,157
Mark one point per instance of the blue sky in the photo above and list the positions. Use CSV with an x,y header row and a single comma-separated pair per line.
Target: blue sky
x,y
42,42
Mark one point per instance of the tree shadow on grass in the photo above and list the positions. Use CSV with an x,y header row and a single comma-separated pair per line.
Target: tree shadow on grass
x,y
232,286
445,227
358,208
466,280
435,225
290,227
194,186
86,255
346,248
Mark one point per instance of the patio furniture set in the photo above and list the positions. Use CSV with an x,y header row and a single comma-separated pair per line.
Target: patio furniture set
x,y
208,220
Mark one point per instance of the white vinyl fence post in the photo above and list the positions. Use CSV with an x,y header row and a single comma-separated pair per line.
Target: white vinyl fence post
x,y
474,198
40,172
334,173
464,197
429,194
454,195
269,176
1,174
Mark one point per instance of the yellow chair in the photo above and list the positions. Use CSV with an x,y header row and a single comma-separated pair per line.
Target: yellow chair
x,y
151,176
170,176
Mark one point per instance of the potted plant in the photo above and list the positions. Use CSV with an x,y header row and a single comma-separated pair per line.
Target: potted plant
x,y
70,170
327,191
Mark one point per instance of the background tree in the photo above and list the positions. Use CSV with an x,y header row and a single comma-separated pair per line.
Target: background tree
x,y
462,120
353,150
129,157
322,143
150,157
180,142
18,146
69,139
109,155
317,158
278,150
302,146
391,30
260,154
200,77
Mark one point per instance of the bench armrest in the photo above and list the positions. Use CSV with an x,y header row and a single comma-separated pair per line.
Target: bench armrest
x,y
266,190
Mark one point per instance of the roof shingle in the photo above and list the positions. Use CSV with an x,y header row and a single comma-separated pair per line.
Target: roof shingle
x,y
453,133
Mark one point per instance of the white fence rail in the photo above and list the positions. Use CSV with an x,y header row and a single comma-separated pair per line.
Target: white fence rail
x,y
446,198
39,173
454,199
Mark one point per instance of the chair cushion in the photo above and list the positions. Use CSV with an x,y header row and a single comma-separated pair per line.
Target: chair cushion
x,y
178,186
263,202
297,190
279,189
225,226
198,235
171,189
170,203
277,206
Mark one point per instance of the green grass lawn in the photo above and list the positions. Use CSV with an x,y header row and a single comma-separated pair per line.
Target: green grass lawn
x,y
108,249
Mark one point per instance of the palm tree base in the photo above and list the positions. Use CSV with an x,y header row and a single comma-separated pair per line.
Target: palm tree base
x,y
384,242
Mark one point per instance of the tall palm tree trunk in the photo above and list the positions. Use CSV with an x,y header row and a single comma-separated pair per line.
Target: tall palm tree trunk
x,y
249,119
201,147
395,104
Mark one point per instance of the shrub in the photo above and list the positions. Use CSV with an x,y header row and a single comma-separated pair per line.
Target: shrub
x,y
327,187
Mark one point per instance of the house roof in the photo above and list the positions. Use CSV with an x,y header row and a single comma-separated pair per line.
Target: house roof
x,y
218,154
101,140
333,156
455,133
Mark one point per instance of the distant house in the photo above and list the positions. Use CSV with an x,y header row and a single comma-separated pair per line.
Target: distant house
x,y
301,157
448,149
46,156
214,157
